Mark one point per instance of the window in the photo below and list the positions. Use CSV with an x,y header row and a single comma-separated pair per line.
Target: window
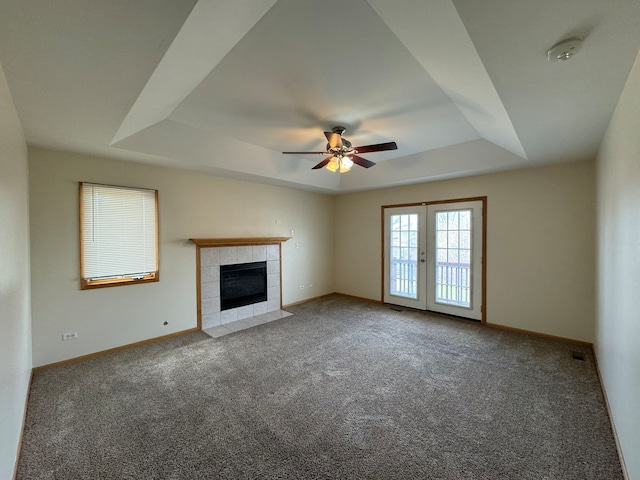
x,y
118,235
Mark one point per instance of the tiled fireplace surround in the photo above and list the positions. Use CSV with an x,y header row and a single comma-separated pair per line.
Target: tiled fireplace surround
x,y
210,260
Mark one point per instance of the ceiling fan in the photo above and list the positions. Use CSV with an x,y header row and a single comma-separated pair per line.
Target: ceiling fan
x,y
342,154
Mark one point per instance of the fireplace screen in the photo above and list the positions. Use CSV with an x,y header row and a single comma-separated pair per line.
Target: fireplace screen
x,y
242,284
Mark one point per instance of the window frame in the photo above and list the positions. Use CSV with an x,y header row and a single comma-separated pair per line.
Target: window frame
x,y
88,283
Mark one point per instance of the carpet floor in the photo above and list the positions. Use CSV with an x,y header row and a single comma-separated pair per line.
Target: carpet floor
x,y
344,388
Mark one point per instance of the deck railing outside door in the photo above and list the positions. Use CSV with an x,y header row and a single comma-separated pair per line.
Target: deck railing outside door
x,y
453,281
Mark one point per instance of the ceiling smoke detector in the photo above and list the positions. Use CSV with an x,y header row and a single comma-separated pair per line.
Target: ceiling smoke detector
x,y
564,50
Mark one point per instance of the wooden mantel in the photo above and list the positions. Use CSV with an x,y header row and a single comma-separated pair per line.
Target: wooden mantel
x,y
233,242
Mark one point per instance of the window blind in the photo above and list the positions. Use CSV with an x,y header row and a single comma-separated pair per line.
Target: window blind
x,y
119,232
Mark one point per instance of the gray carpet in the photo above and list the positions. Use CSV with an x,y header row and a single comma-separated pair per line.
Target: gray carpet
x,y
342,389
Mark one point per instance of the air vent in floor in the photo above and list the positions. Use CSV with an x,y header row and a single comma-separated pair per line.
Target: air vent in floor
x,y
577,355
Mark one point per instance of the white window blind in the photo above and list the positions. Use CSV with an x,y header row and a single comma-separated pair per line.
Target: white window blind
x,y
118,233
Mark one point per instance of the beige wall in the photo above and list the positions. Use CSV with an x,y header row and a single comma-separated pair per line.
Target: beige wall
x,y
618,322
190,206
15,316
540,244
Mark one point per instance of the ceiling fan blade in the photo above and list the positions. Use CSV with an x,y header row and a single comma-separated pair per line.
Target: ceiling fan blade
x,y
363,162
334,139
304,153
378,147
322,163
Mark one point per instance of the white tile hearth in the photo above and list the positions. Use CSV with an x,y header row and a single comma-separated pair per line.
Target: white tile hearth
x,y
232,327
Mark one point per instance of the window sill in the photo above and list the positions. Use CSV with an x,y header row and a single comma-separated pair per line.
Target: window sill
x,y
87,284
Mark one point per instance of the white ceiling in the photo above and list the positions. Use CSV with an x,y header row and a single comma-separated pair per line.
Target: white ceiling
x,y
224,86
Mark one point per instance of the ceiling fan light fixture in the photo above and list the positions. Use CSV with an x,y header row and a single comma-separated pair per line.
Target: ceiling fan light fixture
x,y
345,164
340,163
333,164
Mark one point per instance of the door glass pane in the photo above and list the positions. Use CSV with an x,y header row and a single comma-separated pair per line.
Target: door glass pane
x,y
403,265
453,266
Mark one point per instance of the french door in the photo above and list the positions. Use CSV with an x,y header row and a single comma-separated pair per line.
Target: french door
x,y
433,257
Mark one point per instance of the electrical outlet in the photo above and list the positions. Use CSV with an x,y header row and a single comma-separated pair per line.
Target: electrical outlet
x,y
301,287
69,336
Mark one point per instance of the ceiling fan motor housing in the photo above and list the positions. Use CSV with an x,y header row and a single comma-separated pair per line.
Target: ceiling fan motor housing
x,y
346,144
346,147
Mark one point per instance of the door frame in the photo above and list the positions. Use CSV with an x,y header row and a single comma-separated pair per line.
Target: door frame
x,y
483,199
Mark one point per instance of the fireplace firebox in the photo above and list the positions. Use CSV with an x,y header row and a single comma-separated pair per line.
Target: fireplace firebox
x,y
242,284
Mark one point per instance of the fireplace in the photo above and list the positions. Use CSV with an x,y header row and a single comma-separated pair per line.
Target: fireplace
x,y
215,253
242,284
